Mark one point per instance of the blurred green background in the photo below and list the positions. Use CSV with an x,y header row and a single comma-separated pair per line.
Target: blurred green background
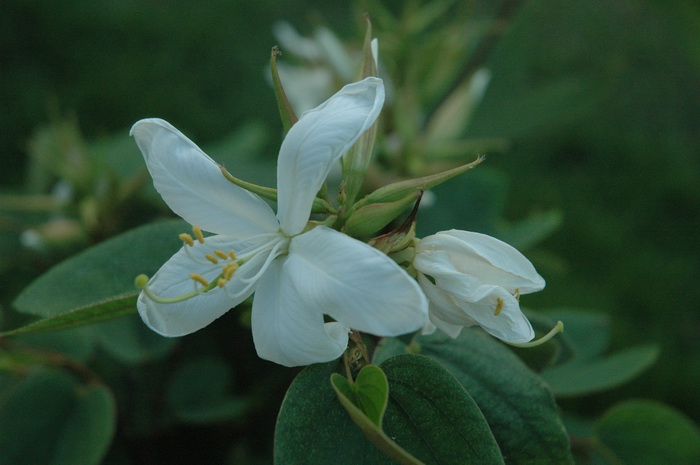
x,y
600,102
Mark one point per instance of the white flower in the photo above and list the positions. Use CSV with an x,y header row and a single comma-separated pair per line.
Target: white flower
x,y
475,279
298,277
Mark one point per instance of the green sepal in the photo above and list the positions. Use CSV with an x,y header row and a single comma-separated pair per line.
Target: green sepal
x,y
371,218
287,115
401,189
319,205
357,159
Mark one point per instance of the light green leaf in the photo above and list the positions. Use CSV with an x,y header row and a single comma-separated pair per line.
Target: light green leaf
x,y
103,273
50,418
645,432
429,415
516,403
369,392
584,377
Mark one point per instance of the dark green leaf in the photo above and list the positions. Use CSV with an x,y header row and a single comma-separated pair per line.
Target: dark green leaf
x,y
429,415
52,419
366,402
96,313
199,393
131,341
102,273
585,377
515,401
645,432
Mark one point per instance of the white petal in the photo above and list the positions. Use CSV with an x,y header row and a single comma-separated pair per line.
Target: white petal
x,y
354,283
285,329
316,142
192,185
444,312
491,307
486,258
172,280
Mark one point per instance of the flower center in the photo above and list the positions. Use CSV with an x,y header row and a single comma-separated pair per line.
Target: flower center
x,y
272,246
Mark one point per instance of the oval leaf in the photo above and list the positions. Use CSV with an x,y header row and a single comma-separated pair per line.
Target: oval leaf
x,y
516,402
103,272
429,415
644,432
585,377
50,418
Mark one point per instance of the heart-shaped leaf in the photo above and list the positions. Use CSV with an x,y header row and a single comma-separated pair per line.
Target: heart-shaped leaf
x,y
369,392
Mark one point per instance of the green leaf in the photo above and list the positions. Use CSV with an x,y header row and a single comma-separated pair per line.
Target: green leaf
x,y
91,314
516,403
50,418
369,392
429,415
532,230
645,432
130,341
102,273
585,377
588,330
366,401
199,393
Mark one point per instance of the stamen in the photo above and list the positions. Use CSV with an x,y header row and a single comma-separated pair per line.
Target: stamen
x,y
200,279
141,282
221,282
558,328
211,258
499,306
222,255
232,254
187,239
198,233
229,269
517,294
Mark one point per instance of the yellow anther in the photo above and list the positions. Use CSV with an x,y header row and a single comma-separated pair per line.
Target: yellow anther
x,y
221,282
200,279
517,294
198,233
499,306
211,258
222,255
232,254
187,239
229,269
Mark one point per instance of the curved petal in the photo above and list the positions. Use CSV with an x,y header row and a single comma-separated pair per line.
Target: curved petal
x,y
491,307
354,283
486,258
173,279
316,141
193,187
285,329
444,312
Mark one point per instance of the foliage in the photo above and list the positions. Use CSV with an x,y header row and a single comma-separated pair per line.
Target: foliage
x,y
587,114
